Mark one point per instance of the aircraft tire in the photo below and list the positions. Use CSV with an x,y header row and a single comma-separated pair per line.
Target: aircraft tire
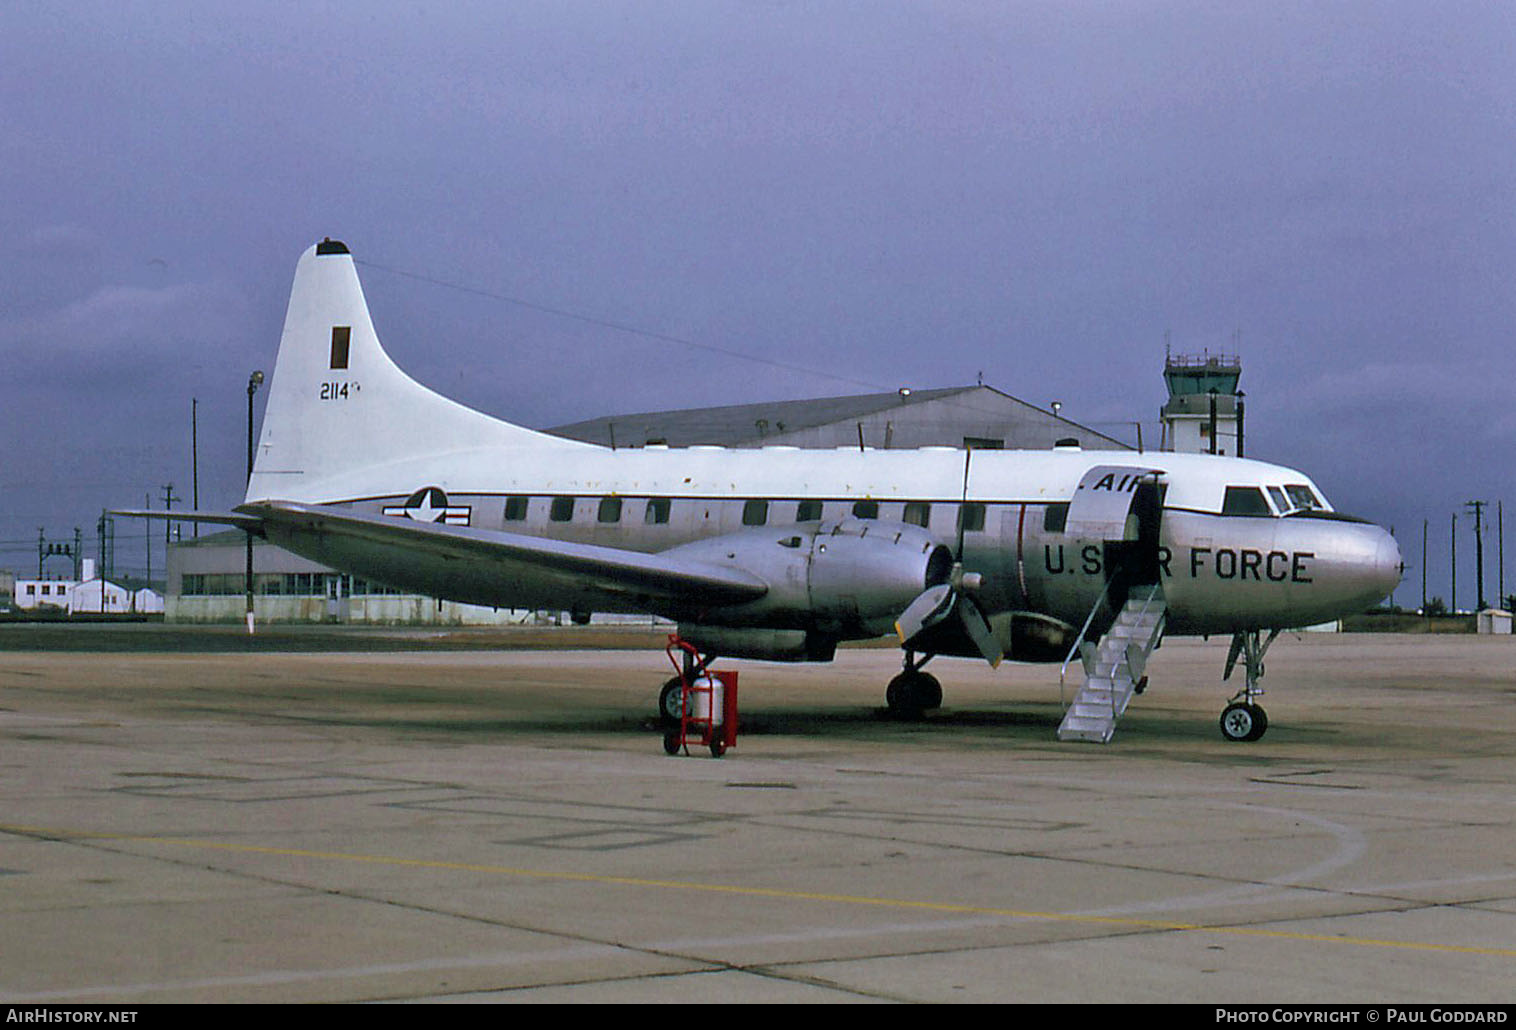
x,y
928,690
1243,722
912,693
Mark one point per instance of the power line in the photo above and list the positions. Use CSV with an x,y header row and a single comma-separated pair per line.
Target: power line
x,y
619,327
686,342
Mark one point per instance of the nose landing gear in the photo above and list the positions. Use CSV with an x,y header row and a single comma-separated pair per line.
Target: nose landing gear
x,y
1243,719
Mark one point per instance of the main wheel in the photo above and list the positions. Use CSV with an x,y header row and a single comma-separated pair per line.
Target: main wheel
x,y
671,702
911,693
928,690
1243,722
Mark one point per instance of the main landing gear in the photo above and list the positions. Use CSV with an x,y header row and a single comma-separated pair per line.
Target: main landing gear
x,y
1244,719
913,691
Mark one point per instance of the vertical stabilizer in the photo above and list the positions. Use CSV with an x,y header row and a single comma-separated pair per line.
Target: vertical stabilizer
x,y
339,408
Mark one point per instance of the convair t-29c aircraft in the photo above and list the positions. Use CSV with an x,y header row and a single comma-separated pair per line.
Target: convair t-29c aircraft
x,y
780,553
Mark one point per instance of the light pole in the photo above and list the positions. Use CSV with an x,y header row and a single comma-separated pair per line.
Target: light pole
x,y
253,382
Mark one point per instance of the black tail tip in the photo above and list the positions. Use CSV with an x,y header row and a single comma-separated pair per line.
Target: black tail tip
x,y
331,246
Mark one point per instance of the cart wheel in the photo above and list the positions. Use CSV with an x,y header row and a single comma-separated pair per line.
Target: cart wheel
x,y
718,748
671,743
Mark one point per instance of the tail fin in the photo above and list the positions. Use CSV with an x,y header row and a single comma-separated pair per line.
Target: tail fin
x,y
338,405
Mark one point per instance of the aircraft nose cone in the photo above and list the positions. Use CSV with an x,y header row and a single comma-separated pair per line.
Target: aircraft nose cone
x,y
1389,566
1364,566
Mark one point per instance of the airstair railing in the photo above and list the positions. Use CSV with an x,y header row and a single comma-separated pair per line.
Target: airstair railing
x,y
1154,592
1078,641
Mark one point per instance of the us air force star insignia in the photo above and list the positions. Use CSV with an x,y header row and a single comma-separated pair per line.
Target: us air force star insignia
x,y
429,504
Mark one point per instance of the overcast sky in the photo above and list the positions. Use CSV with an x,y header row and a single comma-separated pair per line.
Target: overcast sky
x,y
879,194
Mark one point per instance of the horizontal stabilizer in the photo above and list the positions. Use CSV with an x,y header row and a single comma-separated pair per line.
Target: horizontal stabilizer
x,y
251,523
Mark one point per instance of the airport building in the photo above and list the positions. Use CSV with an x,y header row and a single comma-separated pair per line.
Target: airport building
x,y
206,575
966,416
90,595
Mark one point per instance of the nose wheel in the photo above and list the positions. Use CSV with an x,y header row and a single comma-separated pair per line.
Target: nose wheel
x,y
1243,721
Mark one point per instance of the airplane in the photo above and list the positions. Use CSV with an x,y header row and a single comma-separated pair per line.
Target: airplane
x,y
779,553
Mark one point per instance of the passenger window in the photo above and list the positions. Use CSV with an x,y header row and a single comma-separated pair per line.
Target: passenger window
x,y
610,509
562,509
971,517
808,511
657,511
866,510
515,509
1055,518
755,513
918,513
1244,500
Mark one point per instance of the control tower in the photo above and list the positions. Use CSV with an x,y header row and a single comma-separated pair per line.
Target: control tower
x,y
1204,411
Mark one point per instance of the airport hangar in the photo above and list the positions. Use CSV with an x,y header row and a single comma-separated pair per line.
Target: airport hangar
x,y
206,575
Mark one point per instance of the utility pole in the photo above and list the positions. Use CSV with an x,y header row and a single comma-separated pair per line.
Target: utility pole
x,y
168,505
1478,507
106,528
1500,549
195,460
253,382
1424,566
1453,600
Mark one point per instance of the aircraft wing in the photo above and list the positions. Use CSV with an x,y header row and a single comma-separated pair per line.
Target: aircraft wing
x,y
468,559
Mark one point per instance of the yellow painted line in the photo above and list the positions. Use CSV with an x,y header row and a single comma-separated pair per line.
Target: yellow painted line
x,y
760,892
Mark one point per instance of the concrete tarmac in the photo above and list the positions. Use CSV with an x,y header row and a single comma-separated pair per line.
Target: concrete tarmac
x,y
502,825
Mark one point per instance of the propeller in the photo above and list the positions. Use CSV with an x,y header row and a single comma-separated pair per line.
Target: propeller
x,y
949,604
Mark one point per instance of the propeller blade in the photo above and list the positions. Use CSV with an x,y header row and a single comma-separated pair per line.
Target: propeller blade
x,y
979,631
931,606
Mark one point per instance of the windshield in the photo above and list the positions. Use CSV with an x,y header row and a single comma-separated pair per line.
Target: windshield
x,y
1303,497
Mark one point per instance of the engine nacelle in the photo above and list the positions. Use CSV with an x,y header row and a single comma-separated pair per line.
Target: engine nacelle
x,y
769,645
843,580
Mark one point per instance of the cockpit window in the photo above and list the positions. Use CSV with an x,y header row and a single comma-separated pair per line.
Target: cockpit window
x,y
1303,497
1245,500
1280,500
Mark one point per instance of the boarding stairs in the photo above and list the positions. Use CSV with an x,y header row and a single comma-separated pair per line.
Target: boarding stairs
x,y
1114,667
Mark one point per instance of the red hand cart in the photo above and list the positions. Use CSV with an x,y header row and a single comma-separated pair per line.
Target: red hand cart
x,y
708,704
